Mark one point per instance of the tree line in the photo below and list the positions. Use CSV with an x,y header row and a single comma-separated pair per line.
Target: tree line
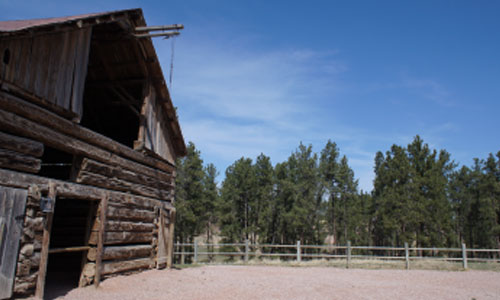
x,y
420,196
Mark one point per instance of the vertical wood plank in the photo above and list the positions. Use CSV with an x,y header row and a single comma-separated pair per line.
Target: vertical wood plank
x,y
44,255
43,55
15,59
68,66
12,205
56,55
171,239
162,254
100,242
80,71
25,53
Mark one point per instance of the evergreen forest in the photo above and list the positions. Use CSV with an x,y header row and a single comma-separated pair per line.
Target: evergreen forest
x,y
420,196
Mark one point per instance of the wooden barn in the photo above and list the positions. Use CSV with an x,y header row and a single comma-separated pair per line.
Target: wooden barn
x,y
88,142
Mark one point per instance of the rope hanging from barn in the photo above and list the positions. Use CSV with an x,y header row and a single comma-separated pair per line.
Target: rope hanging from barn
x,y
171,64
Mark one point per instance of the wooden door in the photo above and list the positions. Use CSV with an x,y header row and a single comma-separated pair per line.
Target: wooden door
x,y
12,206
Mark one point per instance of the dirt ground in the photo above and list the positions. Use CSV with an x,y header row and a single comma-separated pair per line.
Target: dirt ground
x,y
275,282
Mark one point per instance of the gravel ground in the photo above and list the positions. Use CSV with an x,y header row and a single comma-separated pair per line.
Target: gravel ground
x,y
274,282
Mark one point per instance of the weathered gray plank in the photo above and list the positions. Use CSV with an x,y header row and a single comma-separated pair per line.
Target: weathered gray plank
x,y
42,54
80,71
12,205
56,48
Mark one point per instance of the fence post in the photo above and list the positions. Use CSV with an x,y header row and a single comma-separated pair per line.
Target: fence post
x,y
407,256
183,256
348,254
464,255
246,250
195,251
299,258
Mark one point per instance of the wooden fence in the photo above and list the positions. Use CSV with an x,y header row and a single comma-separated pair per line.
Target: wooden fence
x,y
348,252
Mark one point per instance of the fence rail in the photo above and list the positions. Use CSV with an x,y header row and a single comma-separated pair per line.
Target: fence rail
x,y
298,252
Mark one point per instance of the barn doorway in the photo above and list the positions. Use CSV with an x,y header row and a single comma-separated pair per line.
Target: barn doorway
x,y
71,228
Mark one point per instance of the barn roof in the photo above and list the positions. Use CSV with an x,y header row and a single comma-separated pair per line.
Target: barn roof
x,y
18,25
125,19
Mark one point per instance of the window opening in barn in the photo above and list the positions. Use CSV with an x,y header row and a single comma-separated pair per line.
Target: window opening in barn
x,y
56,164
114,85
71,228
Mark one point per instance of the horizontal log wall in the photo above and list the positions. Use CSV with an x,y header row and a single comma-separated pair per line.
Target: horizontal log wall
x,y
8,102
20,154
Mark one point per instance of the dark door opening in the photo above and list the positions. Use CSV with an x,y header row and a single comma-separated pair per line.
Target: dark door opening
x,y
71,227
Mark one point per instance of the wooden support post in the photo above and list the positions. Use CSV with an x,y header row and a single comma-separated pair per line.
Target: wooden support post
x,y
464,255
171,250
407,256
246,251
299,253
183,256
348,254
195,259
44,255
100,242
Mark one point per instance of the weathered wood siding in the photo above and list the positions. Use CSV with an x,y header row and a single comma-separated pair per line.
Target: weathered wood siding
x,y
154,133
19,153
12,205
51,67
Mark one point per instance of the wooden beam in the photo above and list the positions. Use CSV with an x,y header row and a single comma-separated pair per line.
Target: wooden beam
x,y
171,227
118,213
78,191
125,237
93,166
112,183
124,226
51,120
44,256
100,243
17,161
121,252
126,265
69,249
21,145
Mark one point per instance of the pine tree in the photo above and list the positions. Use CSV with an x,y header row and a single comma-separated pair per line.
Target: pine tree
x,y
265,206
238,199
210,200
189,195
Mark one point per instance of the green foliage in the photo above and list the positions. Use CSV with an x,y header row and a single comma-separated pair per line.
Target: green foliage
x,y
419,197
410,196
189,195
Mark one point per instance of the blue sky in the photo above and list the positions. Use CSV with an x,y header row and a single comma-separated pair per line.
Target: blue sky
x,y
262,76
